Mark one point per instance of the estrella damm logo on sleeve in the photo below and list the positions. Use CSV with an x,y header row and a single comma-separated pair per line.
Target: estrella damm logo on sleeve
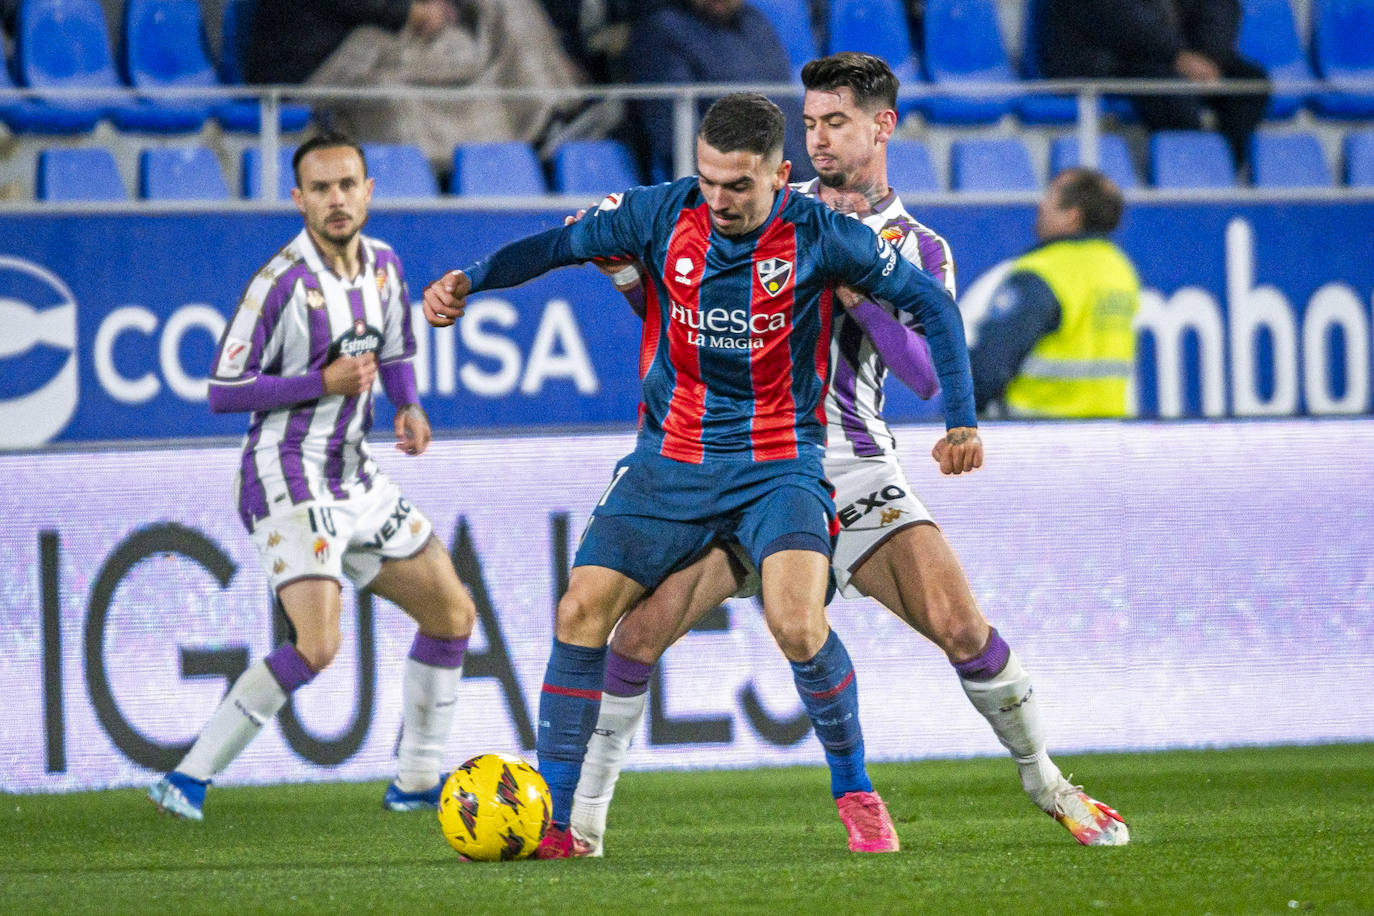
x,y
774,274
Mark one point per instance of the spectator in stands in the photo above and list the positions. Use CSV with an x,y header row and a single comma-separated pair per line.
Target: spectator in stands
x,y
1158,39
424,43
706,41
1058,339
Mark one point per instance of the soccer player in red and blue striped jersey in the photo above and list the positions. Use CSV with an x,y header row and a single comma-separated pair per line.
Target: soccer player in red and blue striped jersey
x,y
735,363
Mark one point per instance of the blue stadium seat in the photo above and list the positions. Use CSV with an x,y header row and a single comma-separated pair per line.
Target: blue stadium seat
x,y
79,175
909,169
1113,158
996,164
251,172
878,27
593,167
498,168
33,116
245,115
1288,161
963,44
1269,37
400,170
1190,159
792,21
1343,51
1359,158
191,173
163,46
65,44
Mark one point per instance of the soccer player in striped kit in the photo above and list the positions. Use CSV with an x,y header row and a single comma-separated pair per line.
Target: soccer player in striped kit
x,y
316,325
889,547
735,364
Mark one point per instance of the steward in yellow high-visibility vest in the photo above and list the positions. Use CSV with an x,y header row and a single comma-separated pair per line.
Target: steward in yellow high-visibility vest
x,y
1058,340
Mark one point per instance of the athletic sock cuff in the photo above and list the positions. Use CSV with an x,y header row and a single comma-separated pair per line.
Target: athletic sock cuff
x,y
289,667
626,677
438,653
987,664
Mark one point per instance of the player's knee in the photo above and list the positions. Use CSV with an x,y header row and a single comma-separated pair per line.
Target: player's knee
x,y
318,650
639,638
962,635
798,636
460,614
578,617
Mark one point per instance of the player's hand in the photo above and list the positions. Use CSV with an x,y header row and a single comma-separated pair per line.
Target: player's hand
x,y
413,434
446,298
849,296
350,376
959,451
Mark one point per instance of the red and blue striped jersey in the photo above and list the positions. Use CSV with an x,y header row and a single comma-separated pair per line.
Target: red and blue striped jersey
x,y
735,354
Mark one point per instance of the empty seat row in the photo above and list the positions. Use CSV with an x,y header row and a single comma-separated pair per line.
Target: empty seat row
x,y
65,45
1177,160
401,171
962,43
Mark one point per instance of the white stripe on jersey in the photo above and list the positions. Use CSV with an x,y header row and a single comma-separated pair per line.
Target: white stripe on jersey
x,y
854,401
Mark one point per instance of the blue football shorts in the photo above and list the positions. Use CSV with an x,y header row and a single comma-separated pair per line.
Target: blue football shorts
x,y
658,515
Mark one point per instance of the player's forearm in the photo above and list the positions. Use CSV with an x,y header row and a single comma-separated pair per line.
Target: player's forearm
x,y
944,329
265,392
903,350
398,381
522,260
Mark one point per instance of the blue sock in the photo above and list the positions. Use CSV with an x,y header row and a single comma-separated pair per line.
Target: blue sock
x,y
568,706
831,696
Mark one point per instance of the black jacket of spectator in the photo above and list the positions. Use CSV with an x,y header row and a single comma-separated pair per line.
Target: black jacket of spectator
x,y
1142,39
291,38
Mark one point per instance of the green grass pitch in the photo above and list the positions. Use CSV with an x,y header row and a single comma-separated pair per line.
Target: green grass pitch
x,y
1272,830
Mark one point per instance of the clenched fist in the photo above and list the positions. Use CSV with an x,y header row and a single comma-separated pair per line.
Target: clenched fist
x,y
959,451
446,298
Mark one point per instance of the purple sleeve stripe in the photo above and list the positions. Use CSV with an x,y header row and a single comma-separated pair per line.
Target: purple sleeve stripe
x,y
266,392
398,381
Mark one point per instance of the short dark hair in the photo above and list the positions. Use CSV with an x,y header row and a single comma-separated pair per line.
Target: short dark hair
x,y
743,121
327,139
1096,196
870,78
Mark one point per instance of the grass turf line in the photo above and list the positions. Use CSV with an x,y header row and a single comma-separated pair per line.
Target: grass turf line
x,y
1271,830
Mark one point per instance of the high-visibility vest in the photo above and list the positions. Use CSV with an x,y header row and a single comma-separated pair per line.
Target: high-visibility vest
x,y
1082,368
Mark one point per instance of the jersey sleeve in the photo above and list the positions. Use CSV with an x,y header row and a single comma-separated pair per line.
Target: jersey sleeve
x,y
398,335
251,341
856,256
606,232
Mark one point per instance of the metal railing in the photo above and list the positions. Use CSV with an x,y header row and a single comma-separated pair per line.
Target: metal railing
x,y
685,99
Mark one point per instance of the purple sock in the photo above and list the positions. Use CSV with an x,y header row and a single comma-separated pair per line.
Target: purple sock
x,y
288,666
626,677
987,664
438,653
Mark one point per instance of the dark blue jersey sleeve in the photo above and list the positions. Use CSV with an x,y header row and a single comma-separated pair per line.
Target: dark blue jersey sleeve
x,y
617,228
868,263
1023,310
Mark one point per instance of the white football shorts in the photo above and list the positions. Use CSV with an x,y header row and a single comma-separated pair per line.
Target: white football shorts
x,y
341,538
874,501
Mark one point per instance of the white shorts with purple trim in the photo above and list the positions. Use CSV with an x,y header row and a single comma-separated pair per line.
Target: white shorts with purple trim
x,y
340,539
874,501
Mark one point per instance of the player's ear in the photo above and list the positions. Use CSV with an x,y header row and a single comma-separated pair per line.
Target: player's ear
x,y
784,171
887,123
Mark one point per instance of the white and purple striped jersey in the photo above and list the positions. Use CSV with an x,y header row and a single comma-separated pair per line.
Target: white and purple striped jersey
x,y
296,317
854,404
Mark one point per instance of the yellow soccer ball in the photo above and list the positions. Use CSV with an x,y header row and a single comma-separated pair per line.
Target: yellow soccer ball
x,y
495,808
